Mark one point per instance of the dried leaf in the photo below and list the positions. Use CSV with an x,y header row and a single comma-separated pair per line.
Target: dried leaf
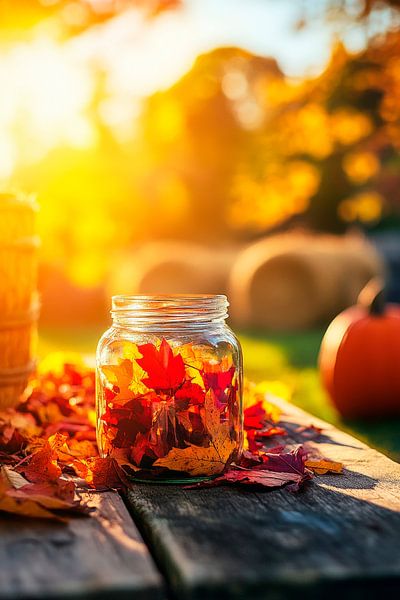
x,y
42,466
101,473
20,497
263,478
197,460
323,466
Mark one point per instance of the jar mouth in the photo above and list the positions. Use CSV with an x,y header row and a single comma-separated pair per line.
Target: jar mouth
x,y
178,308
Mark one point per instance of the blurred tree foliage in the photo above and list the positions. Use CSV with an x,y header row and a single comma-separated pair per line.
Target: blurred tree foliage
x,y
232,151
73,16
247,151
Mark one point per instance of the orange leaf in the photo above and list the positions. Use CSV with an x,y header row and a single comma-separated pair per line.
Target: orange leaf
x,y
199,460
101,473
127,377
18,496
322,466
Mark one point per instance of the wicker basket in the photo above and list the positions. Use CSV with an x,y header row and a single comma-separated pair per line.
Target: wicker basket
x,y
19,306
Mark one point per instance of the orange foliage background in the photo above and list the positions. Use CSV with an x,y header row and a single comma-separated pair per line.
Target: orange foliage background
x,y
233,150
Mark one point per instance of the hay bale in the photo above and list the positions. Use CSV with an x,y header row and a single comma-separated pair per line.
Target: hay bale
x,y
294,282
171,268
19,306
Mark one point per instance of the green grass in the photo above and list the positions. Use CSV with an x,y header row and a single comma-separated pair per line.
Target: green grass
x,y
287,361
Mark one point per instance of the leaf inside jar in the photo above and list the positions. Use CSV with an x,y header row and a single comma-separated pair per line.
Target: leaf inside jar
x,y
186,419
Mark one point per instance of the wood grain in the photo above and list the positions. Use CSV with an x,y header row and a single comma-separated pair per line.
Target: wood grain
x,y
98,557
339,538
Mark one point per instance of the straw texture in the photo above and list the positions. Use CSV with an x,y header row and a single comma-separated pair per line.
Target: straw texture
x,y
19,306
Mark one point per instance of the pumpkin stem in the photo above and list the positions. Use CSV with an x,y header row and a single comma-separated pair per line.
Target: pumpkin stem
x,y
373,297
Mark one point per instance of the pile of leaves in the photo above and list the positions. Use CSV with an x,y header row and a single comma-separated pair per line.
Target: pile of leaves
x,y
49,457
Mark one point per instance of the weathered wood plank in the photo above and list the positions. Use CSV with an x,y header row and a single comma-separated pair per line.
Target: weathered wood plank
x,y
99,557
341,536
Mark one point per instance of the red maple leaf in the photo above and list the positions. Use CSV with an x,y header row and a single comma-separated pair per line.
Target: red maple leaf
x,y
255,416
219,382
130,419
189,394
165,371
255,437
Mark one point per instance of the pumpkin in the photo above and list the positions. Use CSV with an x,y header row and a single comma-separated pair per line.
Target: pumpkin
x,y
360,357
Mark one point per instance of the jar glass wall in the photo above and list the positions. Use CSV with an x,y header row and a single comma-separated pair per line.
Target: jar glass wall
x,y
169,387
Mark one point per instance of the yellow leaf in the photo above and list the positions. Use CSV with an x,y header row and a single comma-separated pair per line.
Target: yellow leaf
x,y
193,363
127,377
323,466
199,460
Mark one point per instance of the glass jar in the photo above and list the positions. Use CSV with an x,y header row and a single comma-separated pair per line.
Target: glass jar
x,y
169,387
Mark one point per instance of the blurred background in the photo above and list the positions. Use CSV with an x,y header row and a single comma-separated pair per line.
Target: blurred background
x,y
249,147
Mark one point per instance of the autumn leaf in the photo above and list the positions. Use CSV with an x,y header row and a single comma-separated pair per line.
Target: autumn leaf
x,y
255,416
166,372
271,470
101,473
196,460
15,430
199,460
255,437
134,417
43,466
48,496
285,462
189,393
74,449
18,496
323,466
186,426
24,507
263,478
126,381
193,360
254,394
219,381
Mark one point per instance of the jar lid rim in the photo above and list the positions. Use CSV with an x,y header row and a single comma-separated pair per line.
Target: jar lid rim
x,y
170,306
178,298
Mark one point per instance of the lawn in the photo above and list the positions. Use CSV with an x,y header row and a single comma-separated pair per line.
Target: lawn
x,y
288,362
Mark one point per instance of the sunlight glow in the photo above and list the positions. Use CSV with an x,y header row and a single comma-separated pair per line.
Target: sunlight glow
x,y
43,102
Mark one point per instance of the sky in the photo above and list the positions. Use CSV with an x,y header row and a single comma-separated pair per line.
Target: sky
x,y
144,59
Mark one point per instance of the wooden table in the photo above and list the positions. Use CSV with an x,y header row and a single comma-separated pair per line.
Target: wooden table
x,y
339,538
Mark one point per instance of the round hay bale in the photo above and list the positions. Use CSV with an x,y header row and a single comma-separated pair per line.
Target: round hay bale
x,y
290,283
171,268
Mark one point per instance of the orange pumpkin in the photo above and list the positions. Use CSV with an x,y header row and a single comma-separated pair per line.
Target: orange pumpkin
x,y
360,357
